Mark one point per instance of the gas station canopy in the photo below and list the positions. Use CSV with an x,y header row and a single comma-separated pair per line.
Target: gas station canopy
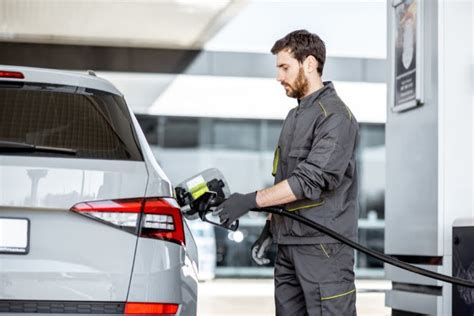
x,y
178,24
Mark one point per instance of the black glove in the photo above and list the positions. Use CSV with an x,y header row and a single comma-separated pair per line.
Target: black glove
x,y
261,245
235,206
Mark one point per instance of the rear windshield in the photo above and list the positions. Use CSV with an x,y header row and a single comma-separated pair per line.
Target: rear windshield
x,y
90,123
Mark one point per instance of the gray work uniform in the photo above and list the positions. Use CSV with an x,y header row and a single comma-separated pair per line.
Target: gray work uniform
x,y
316,153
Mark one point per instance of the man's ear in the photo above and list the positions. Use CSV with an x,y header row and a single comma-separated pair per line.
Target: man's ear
x,y
310,64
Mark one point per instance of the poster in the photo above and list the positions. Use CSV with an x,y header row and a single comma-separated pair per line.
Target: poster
x,y
406,65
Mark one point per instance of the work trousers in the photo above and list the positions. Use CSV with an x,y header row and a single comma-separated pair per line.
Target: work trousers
x,y
315,280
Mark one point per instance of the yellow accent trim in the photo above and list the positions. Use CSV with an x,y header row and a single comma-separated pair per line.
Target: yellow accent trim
x,y
324,250
198,190
348,112
322,107
305,206
276,160
338,295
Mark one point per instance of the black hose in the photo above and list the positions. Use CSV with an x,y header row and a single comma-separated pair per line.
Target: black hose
x,y
380,256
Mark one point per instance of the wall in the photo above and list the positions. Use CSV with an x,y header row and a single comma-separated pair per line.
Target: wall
x,y
430,156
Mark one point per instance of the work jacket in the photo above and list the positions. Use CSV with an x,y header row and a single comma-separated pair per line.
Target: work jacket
x,y
316,153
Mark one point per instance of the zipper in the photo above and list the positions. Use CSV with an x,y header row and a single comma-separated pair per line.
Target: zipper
x,y
292,131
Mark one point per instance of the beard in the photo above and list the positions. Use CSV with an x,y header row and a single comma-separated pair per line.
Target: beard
x,y
299,88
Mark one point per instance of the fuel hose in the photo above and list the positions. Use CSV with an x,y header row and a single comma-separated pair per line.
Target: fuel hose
x,y
376,254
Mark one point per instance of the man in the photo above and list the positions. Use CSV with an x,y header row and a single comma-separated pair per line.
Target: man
x,y
316,177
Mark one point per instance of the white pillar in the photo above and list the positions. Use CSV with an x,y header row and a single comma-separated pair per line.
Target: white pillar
x,y
455,122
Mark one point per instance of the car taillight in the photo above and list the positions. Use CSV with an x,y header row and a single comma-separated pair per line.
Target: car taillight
x,y
11,74
163,220
158,218
151,308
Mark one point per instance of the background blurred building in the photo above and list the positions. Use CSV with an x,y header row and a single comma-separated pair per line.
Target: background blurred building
x,y
201,81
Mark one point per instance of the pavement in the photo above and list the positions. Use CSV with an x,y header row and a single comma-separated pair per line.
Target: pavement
x,y
252,297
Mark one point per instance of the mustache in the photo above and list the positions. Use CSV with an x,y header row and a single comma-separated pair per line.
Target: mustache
x,y
297,88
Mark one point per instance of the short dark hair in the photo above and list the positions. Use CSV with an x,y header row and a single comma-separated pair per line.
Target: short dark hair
x,y
302,44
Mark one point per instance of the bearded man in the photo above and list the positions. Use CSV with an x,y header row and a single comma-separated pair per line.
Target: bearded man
x,y
315,176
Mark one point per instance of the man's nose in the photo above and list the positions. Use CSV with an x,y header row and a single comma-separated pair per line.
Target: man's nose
x,y
280,77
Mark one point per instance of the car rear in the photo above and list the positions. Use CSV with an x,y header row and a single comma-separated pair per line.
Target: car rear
x,y
84,227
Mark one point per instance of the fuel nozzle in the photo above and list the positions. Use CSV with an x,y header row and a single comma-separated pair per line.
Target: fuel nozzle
x,y
199,194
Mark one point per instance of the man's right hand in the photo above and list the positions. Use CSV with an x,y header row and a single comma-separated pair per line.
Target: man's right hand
x,y
261,245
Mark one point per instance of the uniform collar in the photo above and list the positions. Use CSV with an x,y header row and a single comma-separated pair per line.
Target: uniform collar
x,y
309,99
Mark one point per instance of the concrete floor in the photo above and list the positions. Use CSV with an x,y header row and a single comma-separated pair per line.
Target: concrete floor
x,y
252,297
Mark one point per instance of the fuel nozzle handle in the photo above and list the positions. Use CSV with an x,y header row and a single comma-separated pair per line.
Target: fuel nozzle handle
x,y
218,200
212,200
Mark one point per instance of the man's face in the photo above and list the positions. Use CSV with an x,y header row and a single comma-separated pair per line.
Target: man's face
x,y
291,75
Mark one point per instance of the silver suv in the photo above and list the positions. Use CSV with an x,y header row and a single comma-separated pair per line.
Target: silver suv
x,y
88,222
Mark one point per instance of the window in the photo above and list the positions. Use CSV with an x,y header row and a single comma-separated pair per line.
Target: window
x,y
371,135
273,129
149,125
180,132
92,123
236,134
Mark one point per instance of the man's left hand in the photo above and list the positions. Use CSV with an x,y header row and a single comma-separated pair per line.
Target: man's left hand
x,y
235,206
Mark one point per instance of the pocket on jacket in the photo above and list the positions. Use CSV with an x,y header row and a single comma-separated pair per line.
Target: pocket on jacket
x,y
302,230
299,153
295,156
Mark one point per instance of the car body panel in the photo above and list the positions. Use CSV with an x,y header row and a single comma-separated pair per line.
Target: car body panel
x,y
205,238
63,182
75,258
52,76
95,260
92,264
157,267
158,183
